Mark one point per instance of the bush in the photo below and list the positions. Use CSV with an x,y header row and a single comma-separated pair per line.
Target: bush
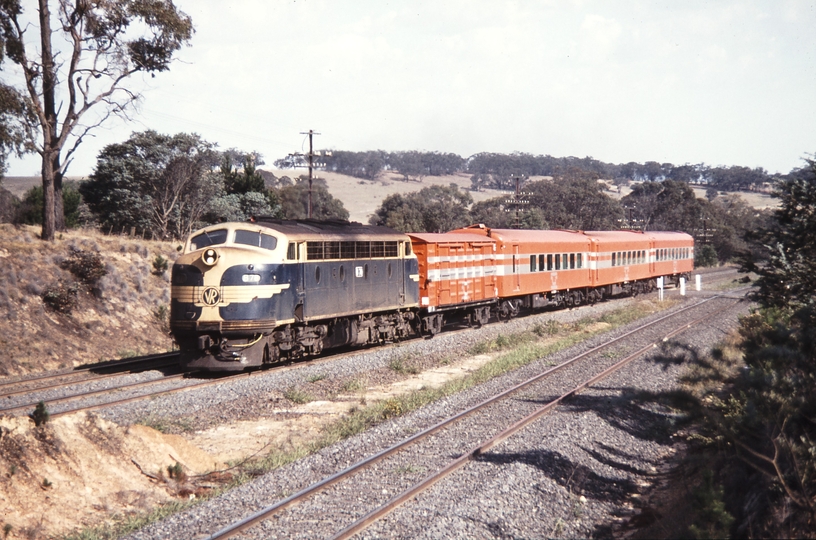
x,y
87,266
61,297
160,265
705,256
40,415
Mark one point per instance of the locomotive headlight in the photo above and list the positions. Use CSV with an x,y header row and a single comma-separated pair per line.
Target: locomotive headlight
x,y
210,257
251,278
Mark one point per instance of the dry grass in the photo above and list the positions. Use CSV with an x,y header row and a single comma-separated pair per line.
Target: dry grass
x,y
114,314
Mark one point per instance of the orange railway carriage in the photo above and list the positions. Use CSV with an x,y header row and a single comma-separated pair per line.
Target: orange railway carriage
x,y
535,268
458,274
539,268
632,256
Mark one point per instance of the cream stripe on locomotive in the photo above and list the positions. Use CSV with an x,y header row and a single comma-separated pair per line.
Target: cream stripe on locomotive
x,y
203,296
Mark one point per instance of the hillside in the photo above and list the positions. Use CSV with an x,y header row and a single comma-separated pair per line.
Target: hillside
x,y
124,315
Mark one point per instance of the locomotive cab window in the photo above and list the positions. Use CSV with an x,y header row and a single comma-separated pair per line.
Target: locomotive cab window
x,y
208,238
256,239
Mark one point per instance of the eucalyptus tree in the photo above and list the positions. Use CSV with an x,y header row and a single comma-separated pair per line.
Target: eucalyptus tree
x,y
75,67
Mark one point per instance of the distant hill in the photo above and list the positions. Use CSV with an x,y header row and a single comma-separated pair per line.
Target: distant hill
x,y
18,185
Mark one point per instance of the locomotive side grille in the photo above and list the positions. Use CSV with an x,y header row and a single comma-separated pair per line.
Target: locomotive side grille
x,y
224,326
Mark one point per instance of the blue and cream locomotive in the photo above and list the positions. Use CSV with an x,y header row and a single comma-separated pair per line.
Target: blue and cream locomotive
x,y
248,294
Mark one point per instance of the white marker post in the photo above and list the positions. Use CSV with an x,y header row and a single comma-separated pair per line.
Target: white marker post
x,y
682,286
660,288
699,281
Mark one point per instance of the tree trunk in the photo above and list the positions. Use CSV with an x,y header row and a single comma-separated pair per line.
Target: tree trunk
x,y
48,225
59,211
51,144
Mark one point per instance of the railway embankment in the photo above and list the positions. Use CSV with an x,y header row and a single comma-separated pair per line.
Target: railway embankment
x,y
86,297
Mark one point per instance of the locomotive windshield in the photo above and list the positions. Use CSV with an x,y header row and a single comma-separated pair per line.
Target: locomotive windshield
x,y
257,239
208,238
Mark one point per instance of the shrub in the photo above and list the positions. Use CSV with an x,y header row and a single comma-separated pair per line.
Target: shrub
x,y
61,297
296,395
391,408
87,266
706,255
176,472
161,314
40,415
160,265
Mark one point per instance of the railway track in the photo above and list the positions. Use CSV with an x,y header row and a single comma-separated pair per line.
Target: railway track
x,y
96,372
434,445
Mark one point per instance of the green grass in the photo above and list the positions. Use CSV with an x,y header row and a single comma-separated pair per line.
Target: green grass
x,y
356,384
296,395
402,364
316,377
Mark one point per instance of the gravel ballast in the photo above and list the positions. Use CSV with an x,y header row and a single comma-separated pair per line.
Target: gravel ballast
x,y
575,472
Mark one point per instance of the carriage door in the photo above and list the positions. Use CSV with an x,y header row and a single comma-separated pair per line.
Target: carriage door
x,y
516,268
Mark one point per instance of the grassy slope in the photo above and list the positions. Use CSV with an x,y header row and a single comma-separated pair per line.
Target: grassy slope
x,y
121,320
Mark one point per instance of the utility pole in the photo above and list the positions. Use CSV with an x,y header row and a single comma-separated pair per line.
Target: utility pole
x,y
310,133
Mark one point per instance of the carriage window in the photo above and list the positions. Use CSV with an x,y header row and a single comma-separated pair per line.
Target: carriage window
x,y
557,261
549,262
572,261
314,251
363,250
542,263
532,263
613,258
579,262
208,238
391,249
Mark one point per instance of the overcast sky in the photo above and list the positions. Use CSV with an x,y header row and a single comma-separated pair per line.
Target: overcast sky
x,y
726,82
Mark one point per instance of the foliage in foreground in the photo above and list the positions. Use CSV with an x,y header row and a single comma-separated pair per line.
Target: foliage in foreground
x,y
755,419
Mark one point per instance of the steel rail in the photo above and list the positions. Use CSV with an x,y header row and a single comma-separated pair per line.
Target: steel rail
x,y
84,369
363,522
86,378
264,513
74,397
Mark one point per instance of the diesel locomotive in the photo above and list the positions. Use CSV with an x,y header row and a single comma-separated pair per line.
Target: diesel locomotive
x,y
249,294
